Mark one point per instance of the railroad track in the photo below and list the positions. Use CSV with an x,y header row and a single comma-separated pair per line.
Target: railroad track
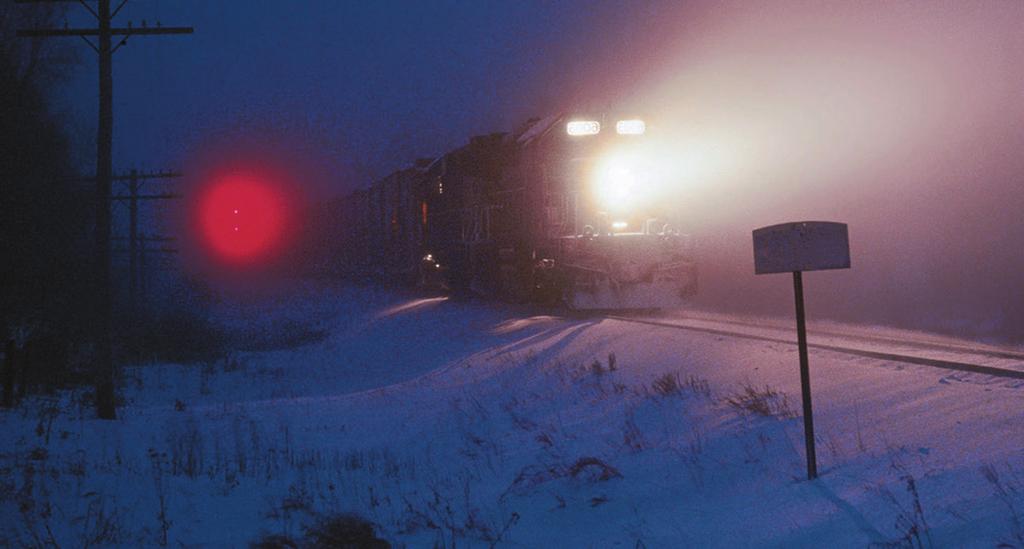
x,y
879,355
947,347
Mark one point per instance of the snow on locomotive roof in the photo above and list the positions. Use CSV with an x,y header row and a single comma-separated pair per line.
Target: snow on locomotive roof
x,y
538,128
434,163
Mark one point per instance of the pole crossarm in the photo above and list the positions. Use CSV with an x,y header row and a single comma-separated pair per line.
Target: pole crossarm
x,y
147,250
149,238
161,196
126,177
114,31
152,175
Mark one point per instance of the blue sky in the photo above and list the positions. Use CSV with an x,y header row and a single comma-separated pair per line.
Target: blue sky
x,y
356,88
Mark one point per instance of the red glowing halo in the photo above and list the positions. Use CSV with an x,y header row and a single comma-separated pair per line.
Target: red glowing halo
x,y
242,217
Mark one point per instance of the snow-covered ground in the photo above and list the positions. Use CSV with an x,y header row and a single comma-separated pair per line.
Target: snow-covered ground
x,y
450,423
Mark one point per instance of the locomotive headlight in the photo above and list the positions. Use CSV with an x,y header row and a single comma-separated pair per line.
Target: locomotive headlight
x,y
626,180
617,183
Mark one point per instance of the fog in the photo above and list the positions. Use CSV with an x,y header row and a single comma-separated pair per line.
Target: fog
x,y
902,120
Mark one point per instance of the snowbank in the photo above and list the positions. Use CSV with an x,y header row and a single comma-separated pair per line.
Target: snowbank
x,y
459,423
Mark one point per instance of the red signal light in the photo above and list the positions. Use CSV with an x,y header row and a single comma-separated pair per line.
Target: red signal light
x,y
242,218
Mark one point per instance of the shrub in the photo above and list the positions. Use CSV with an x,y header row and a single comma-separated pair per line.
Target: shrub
x,y
764,401
667,384
670,383
698,386
275,541
345,531
1009,493
594,469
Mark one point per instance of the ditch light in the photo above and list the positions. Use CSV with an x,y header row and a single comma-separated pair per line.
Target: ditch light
x,y
633,126
583,127
630,127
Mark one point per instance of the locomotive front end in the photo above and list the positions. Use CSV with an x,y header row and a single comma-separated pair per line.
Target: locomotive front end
x,y
626,250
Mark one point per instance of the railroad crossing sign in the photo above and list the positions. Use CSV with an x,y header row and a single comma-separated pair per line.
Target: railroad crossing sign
x,y
798,247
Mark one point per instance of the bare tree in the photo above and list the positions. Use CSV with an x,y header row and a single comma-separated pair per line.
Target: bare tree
x,y
44,217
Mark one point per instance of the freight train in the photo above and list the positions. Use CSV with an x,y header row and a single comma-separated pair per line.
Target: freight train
x,y
564,209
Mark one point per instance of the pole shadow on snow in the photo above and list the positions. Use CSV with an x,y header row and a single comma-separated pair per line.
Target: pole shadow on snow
x,y
850,511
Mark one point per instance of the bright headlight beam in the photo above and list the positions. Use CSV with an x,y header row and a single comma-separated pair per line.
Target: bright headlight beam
x,y
630,127
583,127
615,184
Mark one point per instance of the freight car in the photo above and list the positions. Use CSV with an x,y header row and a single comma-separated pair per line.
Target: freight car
x,y
563,209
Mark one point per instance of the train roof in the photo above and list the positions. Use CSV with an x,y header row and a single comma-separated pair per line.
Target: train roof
x,y
539,127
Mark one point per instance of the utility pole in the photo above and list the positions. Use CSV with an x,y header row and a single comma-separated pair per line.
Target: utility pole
x,y
137,249
133,231
142,265
134,179
103,371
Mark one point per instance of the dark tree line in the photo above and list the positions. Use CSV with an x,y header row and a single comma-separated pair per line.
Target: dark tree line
x,y
45,215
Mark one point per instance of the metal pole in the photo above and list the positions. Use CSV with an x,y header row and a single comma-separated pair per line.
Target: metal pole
x,y
805,375
105,405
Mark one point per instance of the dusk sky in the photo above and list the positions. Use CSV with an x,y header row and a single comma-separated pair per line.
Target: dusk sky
x,y
900,120
360,87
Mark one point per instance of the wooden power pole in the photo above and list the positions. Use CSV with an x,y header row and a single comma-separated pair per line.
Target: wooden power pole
x,y
135,179
106,406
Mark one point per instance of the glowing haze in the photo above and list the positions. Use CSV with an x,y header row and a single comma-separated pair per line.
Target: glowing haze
x,y
902,119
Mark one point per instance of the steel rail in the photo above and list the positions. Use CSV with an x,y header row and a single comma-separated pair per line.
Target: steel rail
x,y
953,348
944,364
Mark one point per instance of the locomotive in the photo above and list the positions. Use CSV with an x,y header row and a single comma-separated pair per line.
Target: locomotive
x,y
564,209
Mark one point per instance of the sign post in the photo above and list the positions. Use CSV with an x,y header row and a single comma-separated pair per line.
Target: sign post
x,y
805,375
798,247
